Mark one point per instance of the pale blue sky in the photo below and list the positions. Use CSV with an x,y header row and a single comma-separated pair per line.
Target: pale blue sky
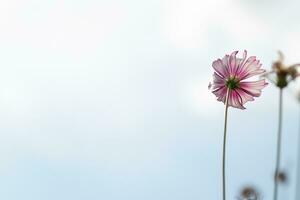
x,y
108,100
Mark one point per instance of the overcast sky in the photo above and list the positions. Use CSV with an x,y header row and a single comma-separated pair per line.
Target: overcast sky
x,y
108,100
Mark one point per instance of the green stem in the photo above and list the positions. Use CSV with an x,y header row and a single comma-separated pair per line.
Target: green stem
x,y
224,146
298,167
278,146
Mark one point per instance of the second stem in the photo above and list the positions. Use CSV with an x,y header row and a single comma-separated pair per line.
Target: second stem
x,y
278,150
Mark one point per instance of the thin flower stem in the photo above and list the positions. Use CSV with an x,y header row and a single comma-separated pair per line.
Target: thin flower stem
x,y
224,146
278,146
298,166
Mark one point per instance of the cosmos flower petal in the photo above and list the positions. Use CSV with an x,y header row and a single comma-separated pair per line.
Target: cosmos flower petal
x,y
247,64
225,61
254,73
220,93
241,63
244,57
218,81
233,63
245,97
235,100
251,68
220,68
253,88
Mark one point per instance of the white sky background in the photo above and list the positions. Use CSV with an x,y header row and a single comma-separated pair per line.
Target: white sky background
x,y
108,99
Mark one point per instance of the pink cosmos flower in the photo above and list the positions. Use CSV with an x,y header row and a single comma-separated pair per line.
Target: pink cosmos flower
x,y
231,73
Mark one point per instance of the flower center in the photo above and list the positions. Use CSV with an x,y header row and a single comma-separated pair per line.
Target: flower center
x,y
282,78
232,83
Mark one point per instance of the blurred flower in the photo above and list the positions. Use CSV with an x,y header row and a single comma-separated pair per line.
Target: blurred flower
x,y
281,75
249,193
231,73
282,177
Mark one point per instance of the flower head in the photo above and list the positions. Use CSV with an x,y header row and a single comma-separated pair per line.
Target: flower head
x,y
282,177
281,75
231,73
249,193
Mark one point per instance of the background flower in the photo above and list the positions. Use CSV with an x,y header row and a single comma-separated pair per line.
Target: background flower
x,y
281,75
249,193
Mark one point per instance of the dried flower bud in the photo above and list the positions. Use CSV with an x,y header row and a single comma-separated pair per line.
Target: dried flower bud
x,y
249,193
283,74
282,177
